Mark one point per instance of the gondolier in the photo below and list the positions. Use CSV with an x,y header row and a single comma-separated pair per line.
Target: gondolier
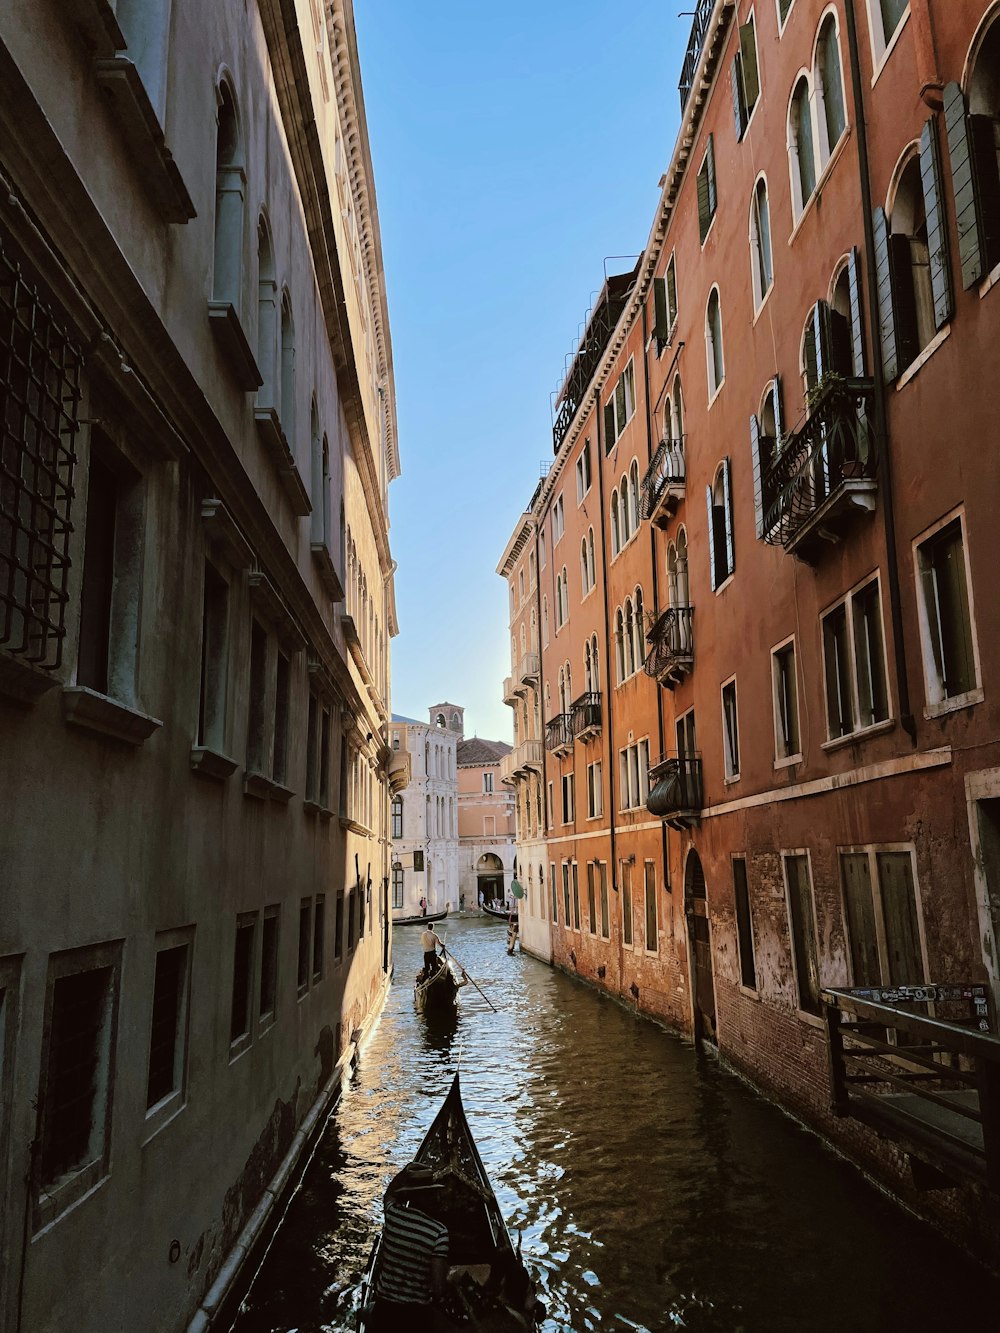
x,y
414,1266
429,941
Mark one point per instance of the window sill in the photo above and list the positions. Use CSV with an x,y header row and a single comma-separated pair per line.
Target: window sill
x,y
955,705
314,808
862,734
272,436
732,781
763,305
281,793
989,282
710,226
884,57
716,391
83,707
725,583
212,763
914,368
323,560
354,826
228,331
54,1203
23,682
788,761
95,19
138,124
158,1117
749,993
257,785
239,1047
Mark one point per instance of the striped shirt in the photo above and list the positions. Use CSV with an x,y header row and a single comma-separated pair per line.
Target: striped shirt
x,y
409,1241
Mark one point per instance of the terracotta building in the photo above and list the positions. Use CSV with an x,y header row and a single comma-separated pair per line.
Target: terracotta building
x,y
485,823
764,545
197,436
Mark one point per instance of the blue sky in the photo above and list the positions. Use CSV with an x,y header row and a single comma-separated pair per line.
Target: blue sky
x,y
514,147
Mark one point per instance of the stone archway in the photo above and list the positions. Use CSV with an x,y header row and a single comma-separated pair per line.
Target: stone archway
x,y
700,948
489,879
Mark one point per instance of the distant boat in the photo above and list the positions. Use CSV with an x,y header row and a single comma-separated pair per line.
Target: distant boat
x,y
420,920
490,1288
500,913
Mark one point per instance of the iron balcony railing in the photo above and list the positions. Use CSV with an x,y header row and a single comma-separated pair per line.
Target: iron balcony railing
x,y
559,732
670,646
828,464
676,792
702,16
664,479
586,714
598,333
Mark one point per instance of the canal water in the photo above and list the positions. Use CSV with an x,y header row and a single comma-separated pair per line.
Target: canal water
x,y
652,1190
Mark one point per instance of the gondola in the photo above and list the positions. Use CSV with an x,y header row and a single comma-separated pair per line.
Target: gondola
x,y
438,991
489,1287
427,920
500,913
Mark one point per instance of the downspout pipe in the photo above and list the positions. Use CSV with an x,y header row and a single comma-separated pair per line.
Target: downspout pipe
x,y
652,555
906,717
609,729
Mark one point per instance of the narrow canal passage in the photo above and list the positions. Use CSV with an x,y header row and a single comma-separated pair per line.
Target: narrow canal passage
x,y
653,1190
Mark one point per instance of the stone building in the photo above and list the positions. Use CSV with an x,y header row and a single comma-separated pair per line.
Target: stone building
x,y
424,814
196,602
487,852
764,543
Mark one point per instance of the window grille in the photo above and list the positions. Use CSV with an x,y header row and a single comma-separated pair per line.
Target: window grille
x,y
40,368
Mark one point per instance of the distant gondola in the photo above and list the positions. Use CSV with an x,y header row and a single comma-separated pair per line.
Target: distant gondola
x,y
427,920
500,913
489,1287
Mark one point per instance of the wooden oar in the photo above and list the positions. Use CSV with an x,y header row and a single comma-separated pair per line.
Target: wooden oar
x,y
475,983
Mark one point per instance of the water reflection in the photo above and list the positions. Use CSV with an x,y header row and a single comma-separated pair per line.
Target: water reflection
x,y
652,1190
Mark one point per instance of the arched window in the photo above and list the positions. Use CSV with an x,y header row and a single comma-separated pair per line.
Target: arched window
x,y
230,188
591,561
588,668
722,561
595,665
713,344
974,150
761,265
620,644
534,649
267,317
677,571
286,408
801,147
628,630
584,567
639,630
626,510
765,440
545,622
829,82
634,496
616,532
524,647
397,817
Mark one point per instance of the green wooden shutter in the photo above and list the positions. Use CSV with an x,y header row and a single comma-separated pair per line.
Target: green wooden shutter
x,y
758,490
968,210
711,537
710,163
857,323
704,216
937,226
886,305
777,414
671,292
661,321
727,515
748,60
609,425
812,357
739,112
982,135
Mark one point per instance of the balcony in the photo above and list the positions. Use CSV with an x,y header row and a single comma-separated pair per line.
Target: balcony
x,y
670,646
586,715
510,695
824,475
528,757
559,734
663,484
507,769
527,672
930,1085
675,790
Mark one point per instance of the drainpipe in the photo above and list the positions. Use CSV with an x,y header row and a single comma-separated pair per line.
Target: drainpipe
x,y
656,592
906,717
609,727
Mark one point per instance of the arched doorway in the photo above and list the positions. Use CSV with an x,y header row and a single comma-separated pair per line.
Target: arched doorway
x,y
489,879
699,938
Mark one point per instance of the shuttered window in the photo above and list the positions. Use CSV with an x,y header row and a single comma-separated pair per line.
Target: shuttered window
x,y
721,551
837,670
713,344
803,149
950,660
975,175
730,731
786,702
831,85
803,932
707,194
649,885
744,924
745,77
